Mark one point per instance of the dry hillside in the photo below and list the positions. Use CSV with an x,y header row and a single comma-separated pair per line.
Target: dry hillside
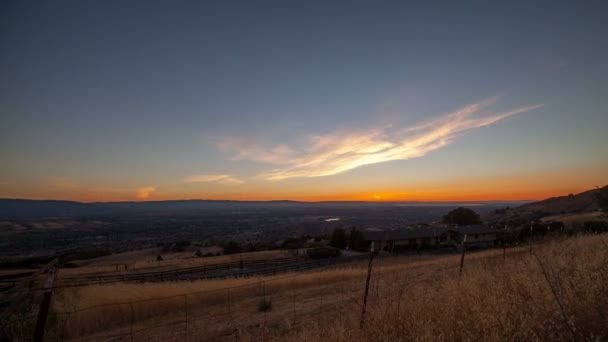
x,y
583,202
559,292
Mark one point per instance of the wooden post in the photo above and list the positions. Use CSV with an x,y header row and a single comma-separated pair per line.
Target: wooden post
x,y
504,245
464,240
530,240
369,274
44,306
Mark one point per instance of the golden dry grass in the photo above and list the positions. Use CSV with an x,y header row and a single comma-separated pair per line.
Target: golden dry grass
x,y
145,260
559,293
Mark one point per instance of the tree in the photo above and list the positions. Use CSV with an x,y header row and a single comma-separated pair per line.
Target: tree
x,y
355,239
462,216
601,196
232,247
338,238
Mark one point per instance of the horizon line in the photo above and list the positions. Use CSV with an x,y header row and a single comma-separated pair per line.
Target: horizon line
x,y
275,200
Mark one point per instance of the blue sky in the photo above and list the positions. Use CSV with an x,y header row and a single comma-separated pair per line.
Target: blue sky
x,y
115,100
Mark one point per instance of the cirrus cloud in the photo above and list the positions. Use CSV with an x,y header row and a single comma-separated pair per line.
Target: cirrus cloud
x,y
224,179
343,151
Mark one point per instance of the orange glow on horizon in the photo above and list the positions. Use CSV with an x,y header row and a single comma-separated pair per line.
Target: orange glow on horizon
x,y
536,185
364,197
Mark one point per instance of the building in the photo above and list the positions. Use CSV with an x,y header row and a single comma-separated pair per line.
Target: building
x,y
478,235
431,237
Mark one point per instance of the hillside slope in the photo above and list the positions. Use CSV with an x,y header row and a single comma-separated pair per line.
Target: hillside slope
x,y
583,202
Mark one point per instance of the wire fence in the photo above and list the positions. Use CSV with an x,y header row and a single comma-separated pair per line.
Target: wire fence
x,y
284,303
212,271
260,306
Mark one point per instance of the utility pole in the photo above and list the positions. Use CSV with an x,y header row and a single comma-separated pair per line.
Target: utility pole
x,y
369,274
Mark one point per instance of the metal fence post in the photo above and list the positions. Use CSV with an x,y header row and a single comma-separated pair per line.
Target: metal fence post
x,y
464,240
44,306
186,313
369,274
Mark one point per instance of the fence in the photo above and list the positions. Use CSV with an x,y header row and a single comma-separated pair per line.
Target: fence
x,y
260,306
287,303
234,269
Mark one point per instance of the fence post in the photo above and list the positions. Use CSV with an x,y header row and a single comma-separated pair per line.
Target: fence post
x,y
293,299
504,244
186,312
369,274
44,306
132,321
65,322
530,240
464,240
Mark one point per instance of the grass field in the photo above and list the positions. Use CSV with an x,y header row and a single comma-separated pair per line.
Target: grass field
x,y
560,292
145,260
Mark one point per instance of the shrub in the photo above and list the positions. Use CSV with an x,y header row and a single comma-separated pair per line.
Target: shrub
x,y
595,226
232,247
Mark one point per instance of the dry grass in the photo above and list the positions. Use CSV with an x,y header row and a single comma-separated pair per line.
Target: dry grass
x,y
145,260
559,293
570,219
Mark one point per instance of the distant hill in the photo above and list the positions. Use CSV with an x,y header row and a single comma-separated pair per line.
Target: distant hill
x,y
583,202
35,209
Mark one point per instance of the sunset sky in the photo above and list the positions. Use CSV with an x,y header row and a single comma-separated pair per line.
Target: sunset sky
x,y
302,100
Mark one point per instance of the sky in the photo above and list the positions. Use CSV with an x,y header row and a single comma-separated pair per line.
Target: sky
x,y
302,100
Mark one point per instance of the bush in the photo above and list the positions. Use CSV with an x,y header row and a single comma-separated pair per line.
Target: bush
x,y
265,305
595,226
232,247
323,252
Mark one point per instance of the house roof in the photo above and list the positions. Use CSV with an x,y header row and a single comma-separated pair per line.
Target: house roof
x,y
423,232
478,229
404,234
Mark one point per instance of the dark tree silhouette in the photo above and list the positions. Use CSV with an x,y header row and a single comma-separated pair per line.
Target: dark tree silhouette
x,y
356,239
232,247
602,198
338,238
462,216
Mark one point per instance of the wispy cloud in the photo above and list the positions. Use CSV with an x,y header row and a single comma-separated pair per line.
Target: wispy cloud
x,y
63,183
224,179
250,150
145,192
342,151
